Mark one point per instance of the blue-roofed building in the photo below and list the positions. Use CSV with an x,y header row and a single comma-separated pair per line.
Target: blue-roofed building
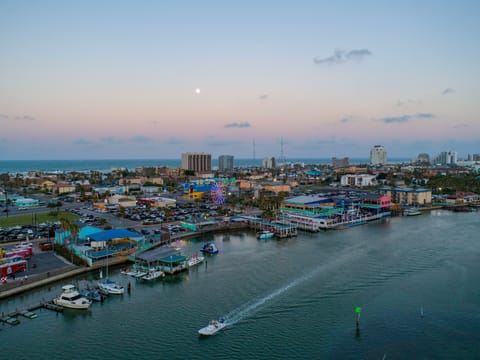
x,y
86,231
114,242
307,202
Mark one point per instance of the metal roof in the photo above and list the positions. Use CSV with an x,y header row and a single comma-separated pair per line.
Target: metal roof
x,y
157,253
114,234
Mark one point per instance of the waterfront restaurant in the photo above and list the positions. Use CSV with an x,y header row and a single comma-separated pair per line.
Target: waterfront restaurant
x,y
113,242
167,259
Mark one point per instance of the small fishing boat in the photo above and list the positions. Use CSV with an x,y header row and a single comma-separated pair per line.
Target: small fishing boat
x,y
412,212
111,287
195,260
11,320
265,234
209,248
93,295
28,314
213,327
153,274
134,273
71,298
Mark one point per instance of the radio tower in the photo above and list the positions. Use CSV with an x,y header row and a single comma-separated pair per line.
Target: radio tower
x,y
282,159
254,151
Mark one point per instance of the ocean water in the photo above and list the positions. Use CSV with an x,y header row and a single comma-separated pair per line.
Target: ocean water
x,y
22,166
415,279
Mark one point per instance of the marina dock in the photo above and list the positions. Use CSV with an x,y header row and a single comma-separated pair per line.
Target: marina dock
x,y
280,229
11,318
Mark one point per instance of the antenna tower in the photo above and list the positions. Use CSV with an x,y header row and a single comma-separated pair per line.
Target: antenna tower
x,y
282,155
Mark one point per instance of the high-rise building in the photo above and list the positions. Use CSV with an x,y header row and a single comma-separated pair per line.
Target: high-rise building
x,y
197,162
378,155
340,163
446,158
225,162
269,163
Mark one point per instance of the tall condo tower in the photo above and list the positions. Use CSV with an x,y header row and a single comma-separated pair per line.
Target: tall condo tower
x,y
197,162
225,162
378,155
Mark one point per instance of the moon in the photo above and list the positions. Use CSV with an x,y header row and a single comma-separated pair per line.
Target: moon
x,y
197,91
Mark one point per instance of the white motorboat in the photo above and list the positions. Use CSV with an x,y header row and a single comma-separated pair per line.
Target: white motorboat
x,y
213,327
154,274
71,298
111,287
134,273
195,260
412,212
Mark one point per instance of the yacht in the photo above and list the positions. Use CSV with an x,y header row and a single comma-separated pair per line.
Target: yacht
x,y
71,298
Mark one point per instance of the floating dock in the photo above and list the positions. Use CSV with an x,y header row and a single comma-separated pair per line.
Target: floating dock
x,y
28,313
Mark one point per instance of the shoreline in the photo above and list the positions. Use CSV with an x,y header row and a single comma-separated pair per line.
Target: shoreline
x,y
42,279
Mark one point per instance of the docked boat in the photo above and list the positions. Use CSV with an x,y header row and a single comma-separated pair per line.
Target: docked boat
x,y
209,248
412,212
134,273
265,234
93,295
213,327
111,287
29,314
71,298
195,260
153,274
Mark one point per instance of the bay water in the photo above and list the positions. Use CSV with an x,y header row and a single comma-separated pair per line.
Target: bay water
x,y
416,280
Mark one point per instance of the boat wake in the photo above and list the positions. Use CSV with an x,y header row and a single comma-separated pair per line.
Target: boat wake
x,y
249,308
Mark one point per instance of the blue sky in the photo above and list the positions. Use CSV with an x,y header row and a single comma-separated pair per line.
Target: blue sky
x,y
118,79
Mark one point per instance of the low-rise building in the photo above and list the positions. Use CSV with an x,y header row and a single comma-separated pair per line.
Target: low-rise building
x,y
408,196
122,200
277,188
158,201
358,180
64,188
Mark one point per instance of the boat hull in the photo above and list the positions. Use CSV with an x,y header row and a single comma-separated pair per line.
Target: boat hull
x,y
152,275
73,305
211,329
111,288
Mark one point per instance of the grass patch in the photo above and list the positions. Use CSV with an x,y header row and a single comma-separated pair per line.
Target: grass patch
x,y
43,217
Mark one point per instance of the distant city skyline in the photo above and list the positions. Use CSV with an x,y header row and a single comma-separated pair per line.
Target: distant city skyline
x,y
309,79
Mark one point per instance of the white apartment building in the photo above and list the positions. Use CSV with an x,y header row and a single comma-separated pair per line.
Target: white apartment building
x,y
378,155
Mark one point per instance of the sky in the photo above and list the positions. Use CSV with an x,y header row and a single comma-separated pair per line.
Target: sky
x,y
153,79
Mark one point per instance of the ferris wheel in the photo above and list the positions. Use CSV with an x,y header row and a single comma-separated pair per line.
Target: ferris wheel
x,y
217,193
